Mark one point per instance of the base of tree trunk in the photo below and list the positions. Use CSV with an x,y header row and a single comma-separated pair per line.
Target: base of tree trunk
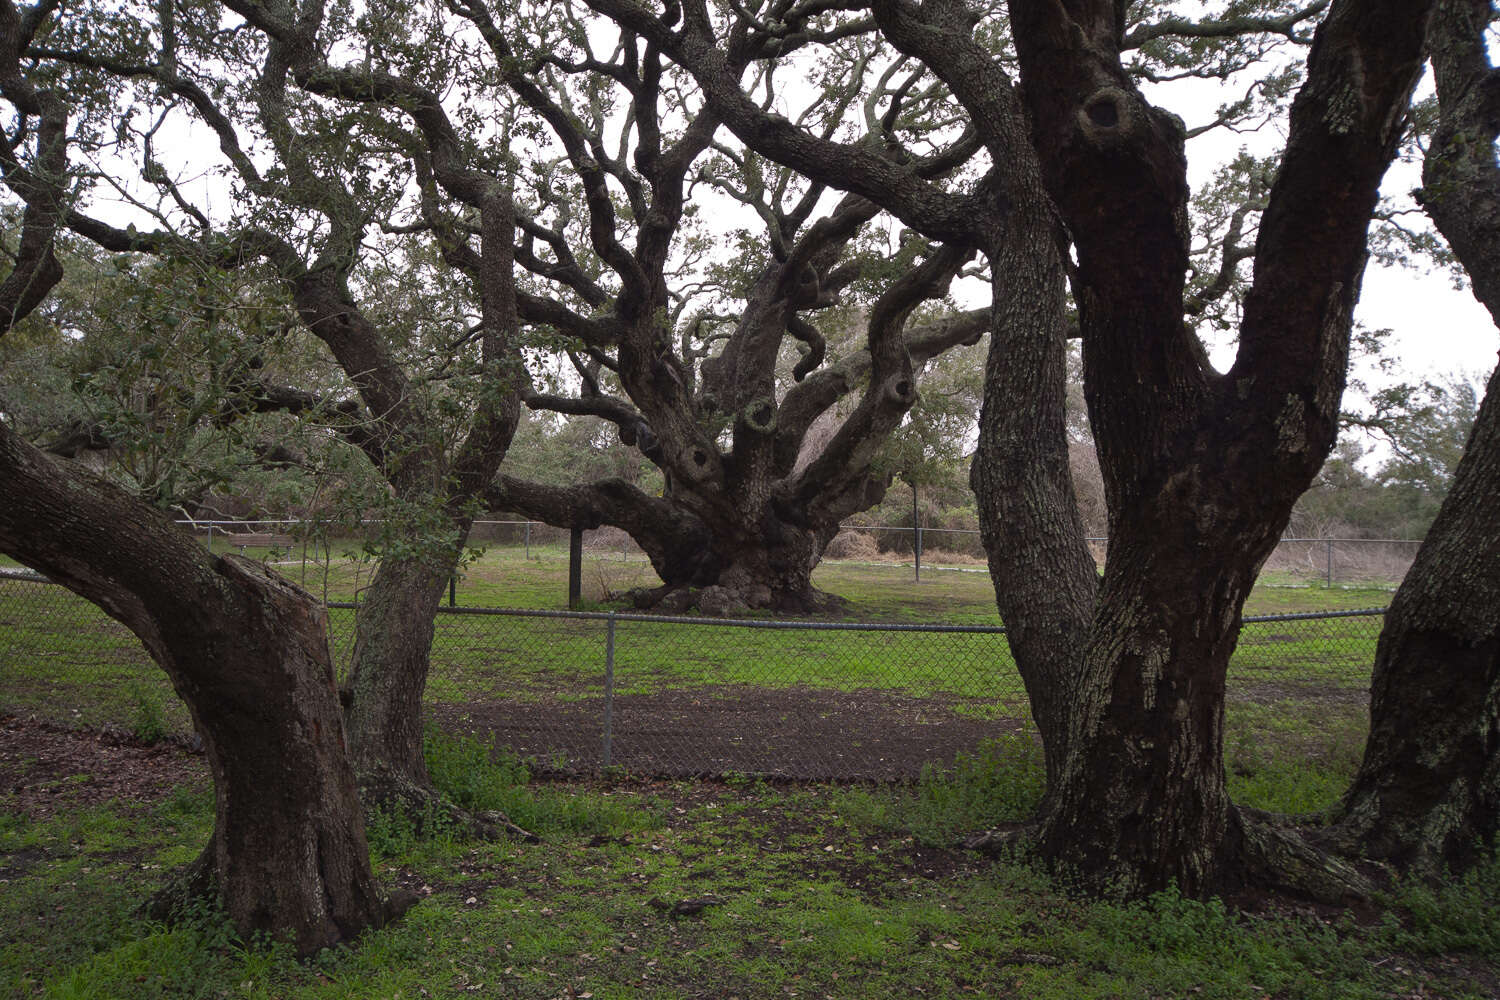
x,y
724,602
1263,851
1275,853
192,891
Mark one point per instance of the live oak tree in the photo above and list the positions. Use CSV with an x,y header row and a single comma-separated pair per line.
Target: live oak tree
x,y
686,353
247,651
1201,468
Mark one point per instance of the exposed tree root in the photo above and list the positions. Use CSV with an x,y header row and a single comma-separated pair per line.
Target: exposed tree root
x,y
188,890
1265,851
1003,840
424,806
721,602
1273,853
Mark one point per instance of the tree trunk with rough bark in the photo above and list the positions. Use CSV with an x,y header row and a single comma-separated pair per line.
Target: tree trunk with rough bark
x,y
1044,575
393,628
248,652
1427,795
395,623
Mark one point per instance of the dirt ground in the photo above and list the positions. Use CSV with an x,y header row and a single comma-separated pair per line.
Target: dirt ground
x,y
791,734
44,767
796,733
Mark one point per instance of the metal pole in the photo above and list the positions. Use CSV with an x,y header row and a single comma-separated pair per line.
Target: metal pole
x,y
1330,563
609,689
575,568
916,529
210,538
453,591
528,539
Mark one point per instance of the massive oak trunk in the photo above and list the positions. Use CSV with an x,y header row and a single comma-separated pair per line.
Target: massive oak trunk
x,y
1427,794
713,557
247,651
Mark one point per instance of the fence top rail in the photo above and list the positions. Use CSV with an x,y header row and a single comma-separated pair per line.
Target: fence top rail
x,y
231,522
226,523
1313,615
22,575
766,623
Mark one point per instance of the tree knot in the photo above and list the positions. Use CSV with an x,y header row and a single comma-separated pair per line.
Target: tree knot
x,y
1108,117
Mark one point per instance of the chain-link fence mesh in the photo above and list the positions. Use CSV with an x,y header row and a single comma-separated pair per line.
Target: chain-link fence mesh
x,y
1333,562
578,692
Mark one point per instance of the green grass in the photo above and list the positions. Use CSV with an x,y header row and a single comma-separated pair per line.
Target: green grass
x,y
818,892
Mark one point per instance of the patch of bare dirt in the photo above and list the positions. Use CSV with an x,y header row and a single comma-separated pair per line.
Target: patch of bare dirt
x,y
44,768
796,733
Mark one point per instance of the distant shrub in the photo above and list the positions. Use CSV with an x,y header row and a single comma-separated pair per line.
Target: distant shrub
x,y
852,545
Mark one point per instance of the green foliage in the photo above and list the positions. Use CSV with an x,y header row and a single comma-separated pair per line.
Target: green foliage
x,y
481,777
1003,781
1456,914
1263,777
1424,429
808,898
148,721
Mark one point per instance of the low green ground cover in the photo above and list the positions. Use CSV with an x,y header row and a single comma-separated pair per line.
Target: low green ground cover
x,y
809,891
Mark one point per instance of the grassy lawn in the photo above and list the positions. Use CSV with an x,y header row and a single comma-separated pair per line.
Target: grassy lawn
x,y
809,891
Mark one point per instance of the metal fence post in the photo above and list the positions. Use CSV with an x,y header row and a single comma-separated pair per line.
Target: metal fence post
x,y
453,590
575,568
609,688
1330,563
528,539
916,537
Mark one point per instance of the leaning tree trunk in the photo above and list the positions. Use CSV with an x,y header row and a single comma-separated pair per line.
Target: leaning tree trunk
x,y
1044,576
395,624
394,627
247,651
1427,794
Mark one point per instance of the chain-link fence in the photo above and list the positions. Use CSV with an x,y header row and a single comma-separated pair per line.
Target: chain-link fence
x,y
578,692
1333,562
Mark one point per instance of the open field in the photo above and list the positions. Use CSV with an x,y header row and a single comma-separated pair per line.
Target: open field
x,y
806,891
